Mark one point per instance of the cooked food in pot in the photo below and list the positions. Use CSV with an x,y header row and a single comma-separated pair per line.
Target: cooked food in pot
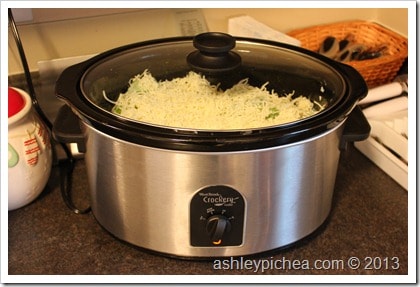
x,y
192,102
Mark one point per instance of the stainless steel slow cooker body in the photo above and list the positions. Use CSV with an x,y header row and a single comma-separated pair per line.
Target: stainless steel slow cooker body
x,y
163,200
205,193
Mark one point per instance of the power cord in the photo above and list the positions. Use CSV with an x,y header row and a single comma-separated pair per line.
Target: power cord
x,y
67,166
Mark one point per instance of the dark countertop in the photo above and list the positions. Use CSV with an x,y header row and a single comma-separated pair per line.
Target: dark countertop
x,y
369,219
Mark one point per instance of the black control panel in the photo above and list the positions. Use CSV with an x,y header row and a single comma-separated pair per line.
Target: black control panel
x,y
217,217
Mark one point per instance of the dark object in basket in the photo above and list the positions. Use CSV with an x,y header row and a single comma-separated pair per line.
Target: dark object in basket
x,y
372,53
345,50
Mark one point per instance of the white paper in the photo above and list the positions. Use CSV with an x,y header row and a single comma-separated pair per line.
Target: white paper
x,y
246,26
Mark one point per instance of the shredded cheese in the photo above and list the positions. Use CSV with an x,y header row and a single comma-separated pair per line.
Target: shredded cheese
x,y
191,102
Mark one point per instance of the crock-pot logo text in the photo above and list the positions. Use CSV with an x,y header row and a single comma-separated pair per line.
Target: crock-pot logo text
x,y
217,199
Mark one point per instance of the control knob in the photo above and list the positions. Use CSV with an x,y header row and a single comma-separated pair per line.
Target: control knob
x,y
217,226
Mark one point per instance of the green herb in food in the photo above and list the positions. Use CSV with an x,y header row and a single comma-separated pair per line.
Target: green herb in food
x,y
274,112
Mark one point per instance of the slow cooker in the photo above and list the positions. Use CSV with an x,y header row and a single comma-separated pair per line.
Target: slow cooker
x,y
200,193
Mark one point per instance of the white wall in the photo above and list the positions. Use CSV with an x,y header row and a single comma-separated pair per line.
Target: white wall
x,y
59,33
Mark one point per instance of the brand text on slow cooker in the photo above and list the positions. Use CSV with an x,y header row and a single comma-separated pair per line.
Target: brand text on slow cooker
x,y
262,265
218,199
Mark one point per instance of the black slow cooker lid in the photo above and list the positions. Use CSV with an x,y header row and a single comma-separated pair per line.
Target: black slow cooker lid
x,y
287,69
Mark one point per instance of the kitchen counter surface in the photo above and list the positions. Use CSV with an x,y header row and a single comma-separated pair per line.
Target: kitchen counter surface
x,y
369,219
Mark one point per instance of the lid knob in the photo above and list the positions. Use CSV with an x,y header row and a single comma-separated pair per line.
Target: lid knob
x,y
214,57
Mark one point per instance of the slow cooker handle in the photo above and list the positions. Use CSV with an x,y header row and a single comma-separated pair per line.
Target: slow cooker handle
x,y
67,85
356,128
357,86
66,129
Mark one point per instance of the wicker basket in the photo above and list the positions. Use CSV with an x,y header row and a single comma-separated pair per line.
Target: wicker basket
x,y
375,71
